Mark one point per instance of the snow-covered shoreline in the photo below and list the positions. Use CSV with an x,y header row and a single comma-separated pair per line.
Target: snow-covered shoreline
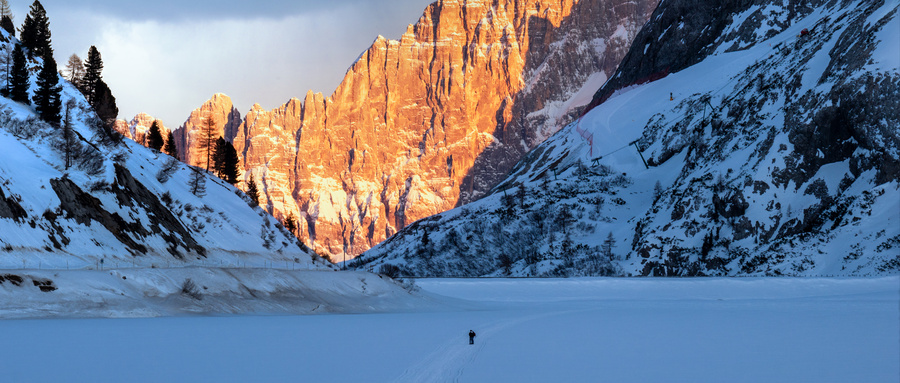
x,y
158,292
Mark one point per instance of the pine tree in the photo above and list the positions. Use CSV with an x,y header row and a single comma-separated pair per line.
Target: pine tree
x,y
657,191
36,31
68,134
197,182
426,248
565,218
93,67
253,191
209,139
6,18
170,147
508,211
230,169
505,261
105,104
206,138
706,247
290,223
607,247
225,161
74,69
154,136
567,249
521,192
4,8
46,97
426,241
6,22
18,78
218,158
6,52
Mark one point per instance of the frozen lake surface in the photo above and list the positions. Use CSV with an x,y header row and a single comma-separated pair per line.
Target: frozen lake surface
x,y
553,330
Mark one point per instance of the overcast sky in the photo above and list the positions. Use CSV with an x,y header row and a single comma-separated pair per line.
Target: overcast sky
x,y
167,57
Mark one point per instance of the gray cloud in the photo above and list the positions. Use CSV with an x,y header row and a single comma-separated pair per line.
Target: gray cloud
x,y
166,58
169,10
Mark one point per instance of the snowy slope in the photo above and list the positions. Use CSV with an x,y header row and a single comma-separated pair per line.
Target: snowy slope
x,y
112,207
777,154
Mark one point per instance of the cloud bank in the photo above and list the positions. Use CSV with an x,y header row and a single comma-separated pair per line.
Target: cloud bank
x,y
167,57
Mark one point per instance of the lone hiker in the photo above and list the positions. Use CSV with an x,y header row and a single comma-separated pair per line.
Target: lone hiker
x,y
471,337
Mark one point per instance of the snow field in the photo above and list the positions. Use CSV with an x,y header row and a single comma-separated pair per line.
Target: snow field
x,y
572,330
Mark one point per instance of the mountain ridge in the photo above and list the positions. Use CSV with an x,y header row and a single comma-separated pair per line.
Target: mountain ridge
x,y
432,120
777,157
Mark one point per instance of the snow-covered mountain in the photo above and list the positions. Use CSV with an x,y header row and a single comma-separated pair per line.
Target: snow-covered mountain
x,y
736,138
119,204
427,122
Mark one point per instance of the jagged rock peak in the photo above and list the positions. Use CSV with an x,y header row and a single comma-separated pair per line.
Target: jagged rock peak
x,y
226,120
435,119
139,126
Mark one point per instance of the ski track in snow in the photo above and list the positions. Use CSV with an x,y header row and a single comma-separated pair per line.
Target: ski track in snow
x,y
449,360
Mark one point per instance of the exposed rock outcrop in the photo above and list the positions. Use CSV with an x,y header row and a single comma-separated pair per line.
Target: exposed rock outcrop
x,y
10,207
188,137
433,120
84,208
138,128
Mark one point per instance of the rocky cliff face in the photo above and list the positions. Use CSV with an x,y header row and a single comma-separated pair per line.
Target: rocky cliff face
x,y
225,121
766,151
137,128
433,120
